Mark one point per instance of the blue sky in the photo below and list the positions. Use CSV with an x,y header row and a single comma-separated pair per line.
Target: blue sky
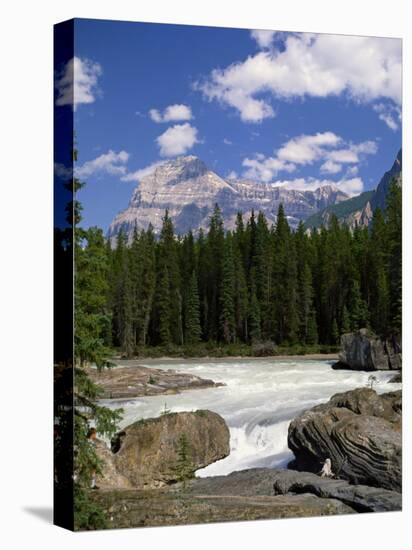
x,y
297,109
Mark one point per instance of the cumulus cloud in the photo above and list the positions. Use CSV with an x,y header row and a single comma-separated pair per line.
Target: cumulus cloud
x,y
177,140
108,163
78,82
330,167
142,172
389,114
363,68
328,148
172,113
305,149
227,141
263,39
263,168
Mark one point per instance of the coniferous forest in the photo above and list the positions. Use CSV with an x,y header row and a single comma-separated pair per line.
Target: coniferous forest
x,y
253,285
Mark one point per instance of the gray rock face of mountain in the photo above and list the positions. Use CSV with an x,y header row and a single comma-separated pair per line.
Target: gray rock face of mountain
x,y
379,198
359,210
189,191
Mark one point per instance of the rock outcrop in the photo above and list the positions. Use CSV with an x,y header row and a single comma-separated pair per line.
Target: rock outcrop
x,y
267,482
162,507
110,477
146,453
138,381
359,497
360,431
189,190
363,350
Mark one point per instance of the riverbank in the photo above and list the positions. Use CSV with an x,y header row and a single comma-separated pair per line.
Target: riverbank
x,y
213,350
121,362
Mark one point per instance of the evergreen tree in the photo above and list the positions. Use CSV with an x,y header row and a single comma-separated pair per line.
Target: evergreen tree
x,y
215,245
91,318
284,282
193,330
254,316
227,294
394,224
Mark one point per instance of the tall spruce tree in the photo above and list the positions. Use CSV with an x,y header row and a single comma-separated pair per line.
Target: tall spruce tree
x,y
394,224
193,331
227,294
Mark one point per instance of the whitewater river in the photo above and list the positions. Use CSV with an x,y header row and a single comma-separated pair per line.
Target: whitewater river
x,y
260,398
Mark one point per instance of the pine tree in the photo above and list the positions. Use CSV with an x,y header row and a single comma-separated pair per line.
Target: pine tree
x,y
359,314
394,225
184,465
169,302
284,282
193,330
254,316
91,319
215,246
312,329
163,306
227,294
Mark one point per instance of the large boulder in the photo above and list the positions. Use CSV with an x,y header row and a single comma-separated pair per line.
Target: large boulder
x,y
363,350
360,431
110,477
147,452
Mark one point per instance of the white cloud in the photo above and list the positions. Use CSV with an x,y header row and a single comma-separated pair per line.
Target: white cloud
x,y
227,141
330,167
172,113
177,140
110,163
263,168
363,68
328,148
352,171
305,149
142,172
78,82
389,114
264,39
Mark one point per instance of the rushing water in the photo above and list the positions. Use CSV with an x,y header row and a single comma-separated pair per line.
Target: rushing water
x,y
258,402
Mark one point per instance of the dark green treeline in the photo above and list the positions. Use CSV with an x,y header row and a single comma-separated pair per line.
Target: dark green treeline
x,y
256,283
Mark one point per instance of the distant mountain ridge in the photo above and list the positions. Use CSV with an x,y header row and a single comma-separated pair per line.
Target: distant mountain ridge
x,y
359,210
189,190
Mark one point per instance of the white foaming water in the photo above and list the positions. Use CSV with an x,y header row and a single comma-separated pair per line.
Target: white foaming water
x,y
259,400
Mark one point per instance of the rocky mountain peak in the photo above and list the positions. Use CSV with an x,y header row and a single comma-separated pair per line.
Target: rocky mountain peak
x,y
179,169
189,190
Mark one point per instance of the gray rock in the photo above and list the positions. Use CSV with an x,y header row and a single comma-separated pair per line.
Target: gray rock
x,y
146,452
359,497
189,190
363,350
359,431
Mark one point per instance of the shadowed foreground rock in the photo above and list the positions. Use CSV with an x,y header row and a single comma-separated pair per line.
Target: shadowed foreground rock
x,y
134,508
268,482
359,497
146,452
359,430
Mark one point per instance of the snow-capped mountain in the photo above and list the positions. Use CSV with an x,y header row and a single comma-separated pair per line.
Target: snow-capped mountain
x,y
189,191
